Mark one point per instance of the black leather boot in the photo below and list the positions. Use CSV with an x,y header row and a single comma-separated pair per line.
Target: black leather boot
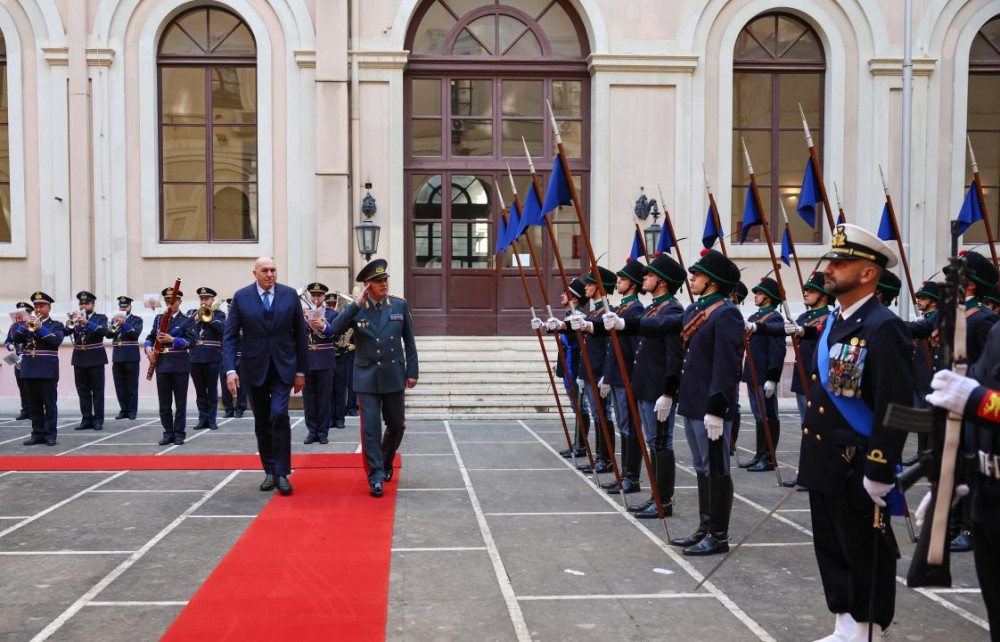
x,y
630,480
644,506
766,463
760,450
716,541
666,471
703,508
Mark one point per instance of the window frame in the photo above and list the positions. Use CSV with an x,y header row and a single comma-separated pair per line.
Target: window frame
x,y
983,68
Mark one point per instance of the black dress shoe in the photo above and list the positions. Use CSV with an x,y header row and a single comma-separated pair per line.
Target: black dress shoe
x,y
284,487
50,442
121,415
638,508
213,426
711,544
178,441
340,425
82,426
310,439
132,417
753,462
268,483
35,441
604,467
792,483
376,489
201,426
98,426
962,543
566,454
388,473
229,414
166,441
324,440
21,416
585,469
651,512
239,414
690,540
610,485
761,466
628,487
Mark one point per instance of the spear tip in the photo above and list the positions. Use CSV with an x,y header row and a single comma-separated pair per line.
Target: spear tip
x,y
555,125
527,154
746,155
805,126
972,155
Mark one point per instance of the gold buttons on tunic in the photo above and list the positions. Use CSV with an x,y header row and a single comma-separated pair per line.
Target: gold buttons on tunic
x,y
809,404
814,377
822,410
805,431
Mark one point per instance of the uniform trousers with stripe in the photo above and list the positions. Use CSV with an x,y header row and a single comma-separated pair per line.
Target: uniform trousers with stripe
x,y
380,449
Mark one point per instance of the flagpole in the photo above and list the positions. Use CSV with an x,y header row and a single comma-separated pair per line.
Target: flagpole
x,y
982,202
584,355
715,213
673,238
642,241
541,341
585,233
791,245
840,206
814,160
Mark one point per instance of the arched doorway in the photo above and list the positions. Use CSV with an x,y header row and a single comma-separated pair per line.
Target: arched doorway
x,y
476,83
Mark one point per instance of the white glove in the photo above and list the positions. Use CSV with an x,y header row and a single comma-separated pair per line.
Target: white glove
x,y
604,388
749,327
951,391
877,490
921,512
793,329
713,425
578,321
662,407
613,322
553,324
579,384
769,388
537,324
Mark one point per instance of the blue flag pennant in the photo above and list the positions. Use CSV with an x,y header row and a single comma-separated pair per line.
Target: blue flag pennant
x,y
557,193
532,214
501,243
885,229
515,225
712,231
841,219
666,242
786,248
636,247
970,212
809,195
751,216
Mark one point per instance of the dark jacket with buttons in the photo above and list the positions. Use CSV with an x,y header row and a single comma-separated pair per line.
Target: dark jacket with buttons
x,y
887,377
921,329
386,354
125,340
322,349
767,348
712,361
207,344
571,354
979,321
630,308
88,342
658,355
174,358
598,346
39,349
813,321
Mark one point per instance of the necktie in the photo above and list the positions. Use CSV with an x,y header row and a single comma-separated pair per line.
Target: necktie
x,y
267,301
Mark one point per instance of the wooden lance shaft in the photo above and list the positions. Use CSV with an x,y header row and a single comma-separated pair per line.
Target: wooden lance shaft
x,y
982,203
800,366
814,161
669,224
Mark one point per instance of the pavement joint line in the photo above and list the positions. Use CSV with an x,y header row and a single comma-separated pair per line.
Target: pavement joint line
x,y
191,438
94,591
503,579
523,441
555,513
105,438
15,516
774,544
424,490
177,603
7,441
294,423
223,516
143,443
688,568
151,490
792,510
16,553
57,505
612,596
420,454
510,470
954,590
954,608
438,549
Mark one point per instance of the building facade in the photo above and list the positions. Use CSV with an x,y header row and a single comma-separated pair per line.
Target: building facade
x,y
150,139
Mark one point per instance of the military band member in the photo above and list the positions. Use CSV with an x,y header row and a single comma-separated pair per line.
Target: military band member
x,y
321,366
235,406
768,353
573,302
89,358
597,350
385,366
343,372
124,331
205,355
863,362
16,349
39,339
173,368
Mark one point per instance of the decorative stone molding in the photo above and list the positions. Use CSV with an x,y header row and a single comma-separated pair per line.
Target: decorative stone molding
x,y
56,56
381,59
642,63
97,57
305,59
894,66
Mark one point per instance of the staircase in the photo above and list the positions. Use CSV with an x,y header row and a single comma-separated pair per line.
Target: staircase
x,y
482,378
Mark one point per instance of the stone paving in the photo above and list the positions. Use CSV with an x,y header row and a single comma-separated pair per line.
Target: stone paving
x,y
496,538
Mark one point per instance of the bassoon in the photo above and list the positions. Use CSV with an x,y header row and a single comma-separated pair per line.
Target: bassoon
x,y
164,322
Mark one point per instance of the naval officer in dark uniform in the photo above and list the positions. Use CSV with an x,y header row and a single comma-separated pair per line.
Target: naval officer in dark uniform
x,y
863,362
124,331
39,339
385,365
173,367
16,349
89,359
206,358
322,362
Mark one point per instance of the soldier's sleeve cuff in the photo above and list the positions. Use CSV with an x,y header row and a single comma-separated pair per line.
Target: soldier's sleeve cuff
x,y
983,406
179,343
774,374
148,344
632,325
673,383
43,332
717,404
880,472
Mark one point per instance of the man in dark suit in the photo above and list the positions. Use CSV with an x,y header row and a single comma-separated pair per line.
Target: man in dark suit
x,y
124,332
385,366
173,367
273,361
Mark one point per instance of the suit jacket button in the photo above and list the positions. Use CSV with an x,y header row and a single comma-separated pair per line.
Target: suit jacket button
x,y
805,431
809,404
822,410
819,437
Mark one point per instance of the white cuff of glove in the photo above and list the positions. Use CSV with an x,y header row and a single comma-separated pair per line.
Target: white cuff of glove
x,y
769,388
553,324
613,322
537,324
877,490
662,407
792,329
749,327
714,426
951,391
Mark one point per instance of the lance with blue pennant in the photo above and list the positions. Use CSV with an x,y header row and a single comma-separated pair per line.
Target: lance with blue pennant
x,y
817,174
981,198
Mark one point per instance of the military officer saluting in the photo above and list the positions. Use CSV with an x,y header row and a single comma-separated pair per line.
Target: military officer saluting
x,y
39,339
206,357
16,349
385,365
173,367
124,331
322,364
88,330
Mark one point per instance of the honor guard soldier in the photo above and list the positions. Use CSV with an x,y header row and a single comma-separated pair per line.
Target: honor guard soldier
x,y
888,288
656,374
385,365
344,370
979,318
768,355
205,355
737,296
573,301
88,330
597,349
922,331
235,406
124,331
173,368
39,339
863,362
321,366
16,349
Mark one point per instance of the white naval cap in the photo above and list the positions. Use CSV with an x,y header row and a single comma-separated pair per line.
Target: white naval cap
x,y
851,242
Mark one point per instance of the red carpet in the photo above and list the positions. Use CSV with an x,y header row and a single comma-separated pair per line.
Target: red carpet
x,y
171,462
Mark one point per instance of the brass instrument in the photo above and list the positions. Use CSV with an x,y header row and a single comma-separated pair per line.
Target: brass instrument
x,y
344,340
206,313
72,319
33,323
116,323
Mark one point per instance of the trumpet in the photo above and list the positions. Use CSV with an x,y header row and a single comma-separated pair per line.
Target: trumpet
x,y
206,313
72,320
116,323
344,340
33,323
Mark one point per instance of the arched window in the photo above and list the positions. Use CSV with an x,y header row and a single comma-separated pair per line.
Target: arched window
x,y
207,66
477,81
984,122
778,64
5,205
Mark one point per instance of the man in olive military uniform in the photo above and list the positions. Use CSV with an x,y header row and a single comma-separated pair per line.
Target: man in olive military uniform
x,y
322,363
89,359
767,354
39,339
205,355
173,367
863,362
597,349
343,372
385,365
124,331
16,349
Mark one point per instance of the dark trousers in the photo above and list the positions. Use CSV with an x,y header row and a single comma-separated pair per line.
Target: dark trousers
x,y
378,449
341,385
271,424
844,542
126,378
42,407
987,553
172,387
206,388
22,391
316,401
352,397
90,389
771,408
228,399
